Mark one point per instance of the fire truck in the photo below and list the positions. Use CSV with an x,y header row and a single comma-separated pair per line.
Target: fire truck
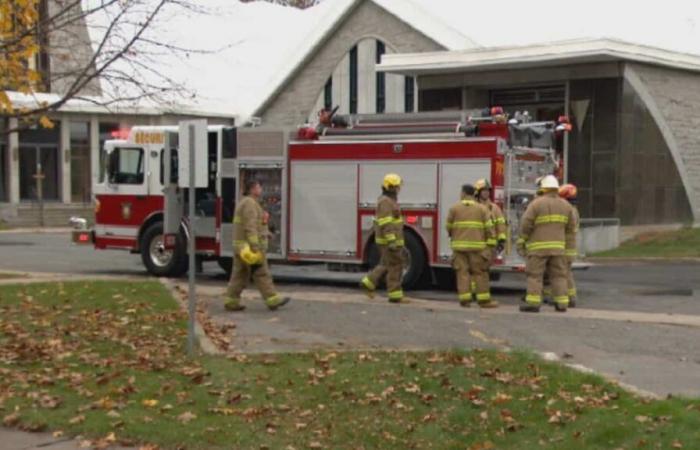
x,y
321,186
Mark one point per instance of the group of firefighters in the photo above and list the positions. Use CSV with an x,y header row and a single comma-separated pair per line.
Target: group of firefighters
x,y
477,230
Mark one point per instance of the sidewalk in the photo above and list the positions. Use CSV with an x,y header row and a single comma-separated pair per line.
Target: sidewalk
x,y
22,440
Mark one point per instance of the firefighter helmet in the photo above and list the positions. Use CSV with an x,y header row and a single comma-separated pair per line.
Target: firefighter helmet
x,y
549,182
391,180
482,184
249,256
568,192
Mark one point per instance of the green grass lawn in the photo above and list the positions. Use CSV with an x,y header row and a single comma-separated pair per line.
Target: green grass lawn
x,y
668,244
105,360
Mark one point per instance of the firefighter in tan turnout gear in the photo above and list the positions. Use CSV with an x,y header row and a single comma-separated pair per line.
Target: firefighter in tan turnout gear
x,y
547,229
250,243
472,235
569,193
388,232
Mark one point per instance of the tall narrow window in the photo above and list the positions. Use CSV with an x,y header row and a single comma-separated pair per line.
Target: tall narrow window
x,y
328,94
409,94
381,80
353,80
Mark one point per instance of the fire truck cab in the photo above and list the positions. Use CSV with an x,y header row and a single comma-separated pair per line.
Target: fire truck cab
x,y
320,187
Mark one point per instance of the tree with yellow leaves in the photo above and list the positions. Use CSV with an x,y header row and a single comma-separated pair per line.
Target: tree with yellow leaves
x,y
71,49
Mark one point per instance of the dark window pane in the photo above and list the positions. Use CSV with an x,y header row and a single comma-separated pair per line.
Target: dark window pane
x,y
353,80
328,94
409,94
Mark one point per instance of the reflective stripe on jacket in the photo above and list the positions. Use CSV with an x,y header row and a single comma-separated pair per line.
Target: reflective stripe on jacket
x,y
388,223
499,221
470,227
248,224
548,226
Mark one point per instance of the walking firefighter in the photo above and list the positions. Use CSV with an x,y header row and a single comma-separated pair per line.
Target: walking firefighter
x,y
388,231
250,234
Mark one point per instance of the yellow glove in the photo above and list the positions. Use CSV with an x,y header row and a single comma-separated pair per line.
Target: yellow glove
x,y
249,256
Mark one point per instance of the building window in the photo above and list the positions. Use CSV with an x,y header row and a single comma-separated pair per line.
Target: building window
x,y
381,80
353,80
328,94
80,167
409,94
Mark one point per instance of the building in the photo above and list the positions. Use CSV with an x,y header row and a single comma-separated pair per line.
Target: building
x,y
634,151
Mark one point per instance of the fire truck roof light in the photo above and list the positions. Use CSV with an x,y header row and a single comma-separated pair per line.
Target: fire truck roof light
x,y
122,133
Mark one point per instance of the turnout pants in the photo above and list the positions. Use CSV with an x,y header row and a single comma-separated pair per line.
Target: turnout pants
x,y
570,283
390,266
472,273
241,275
557,269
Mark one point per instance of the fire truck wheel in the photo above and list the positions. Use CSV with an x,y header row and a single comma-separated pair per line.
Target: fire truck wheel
x,y
414,256
159,261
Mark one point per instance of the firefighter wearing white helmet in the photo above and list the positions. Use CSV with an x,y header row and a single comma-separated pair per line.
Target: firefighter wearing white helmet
x,y
249,260
483,195
388,235
547,229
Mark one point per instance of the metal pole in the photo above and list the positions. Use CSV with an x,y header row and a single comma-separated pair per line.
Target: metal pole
x,y
191,272
567,113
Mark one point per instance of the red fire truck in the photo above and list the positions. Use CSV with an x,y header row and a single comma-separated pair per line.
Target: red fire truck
x,y
320,188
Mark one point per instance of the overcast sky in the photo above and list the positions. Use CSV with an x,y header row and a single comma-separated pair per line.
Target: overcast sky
x,y
254,43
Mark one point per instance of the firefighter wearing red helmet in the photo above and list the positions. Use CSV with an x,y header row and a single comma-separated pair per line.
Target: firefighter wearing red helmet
x,y
569,193
547,229
388,235
472,235
250,243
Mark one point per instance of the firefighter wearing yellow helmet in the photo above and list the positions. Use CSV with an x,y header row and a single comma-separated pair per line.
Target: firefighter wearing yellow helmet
x,y
472,236
388,236
547,229
249,260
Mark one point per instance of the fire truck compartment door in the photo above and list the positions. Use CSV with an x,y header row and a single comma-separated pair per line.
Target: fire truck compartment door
x,y
324,208
418,189
172,198
452,177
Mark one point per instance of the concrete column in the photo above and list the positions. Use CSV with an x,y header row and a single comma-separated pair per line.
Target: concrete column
x,y
65,160
13,163
95,149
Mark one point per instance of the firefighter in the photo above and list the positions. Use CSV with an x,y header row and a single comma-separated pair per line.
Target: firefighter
x,y
547,229
482,189
472,235
569,192
388,235
250,243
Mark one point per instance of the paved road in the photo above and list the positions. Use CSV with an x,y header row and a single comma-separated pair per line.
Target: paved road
x,y
636,322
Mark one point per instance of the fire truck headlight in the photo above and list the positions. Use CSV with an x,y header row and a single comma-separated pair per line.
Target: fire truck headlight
x,y
97,206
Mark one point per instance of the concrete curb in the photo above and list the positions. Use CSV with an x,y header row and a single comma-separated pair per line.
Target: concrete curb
x,y
605,260
205,344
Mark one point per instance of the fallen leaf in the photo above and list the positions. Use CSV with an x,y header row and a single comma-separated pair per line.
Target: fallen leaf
x,y
77,420
10,420
677,444
186,417
150,403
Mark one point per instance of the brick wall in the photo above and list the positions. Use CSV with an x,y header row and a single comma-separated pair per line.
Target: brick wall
x,y
673,97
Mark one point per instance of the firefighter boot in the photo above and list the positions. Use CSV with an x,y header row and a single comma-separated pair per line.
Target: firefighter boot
x,y
368,287
488,304
233,304
276,301
465,300
530,308
560,307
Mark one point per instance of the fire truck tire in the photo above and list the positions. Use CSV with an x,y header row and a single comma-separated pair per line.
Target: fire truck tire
x,y
415,274
158,261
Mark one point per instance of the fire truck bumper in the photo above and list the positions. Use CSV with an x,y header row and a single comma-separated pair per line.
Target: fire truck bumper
x,y
81,234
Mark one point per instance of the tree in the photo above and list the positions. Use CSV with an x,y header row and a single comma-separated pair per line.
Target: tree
x,y
99,51
301,4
